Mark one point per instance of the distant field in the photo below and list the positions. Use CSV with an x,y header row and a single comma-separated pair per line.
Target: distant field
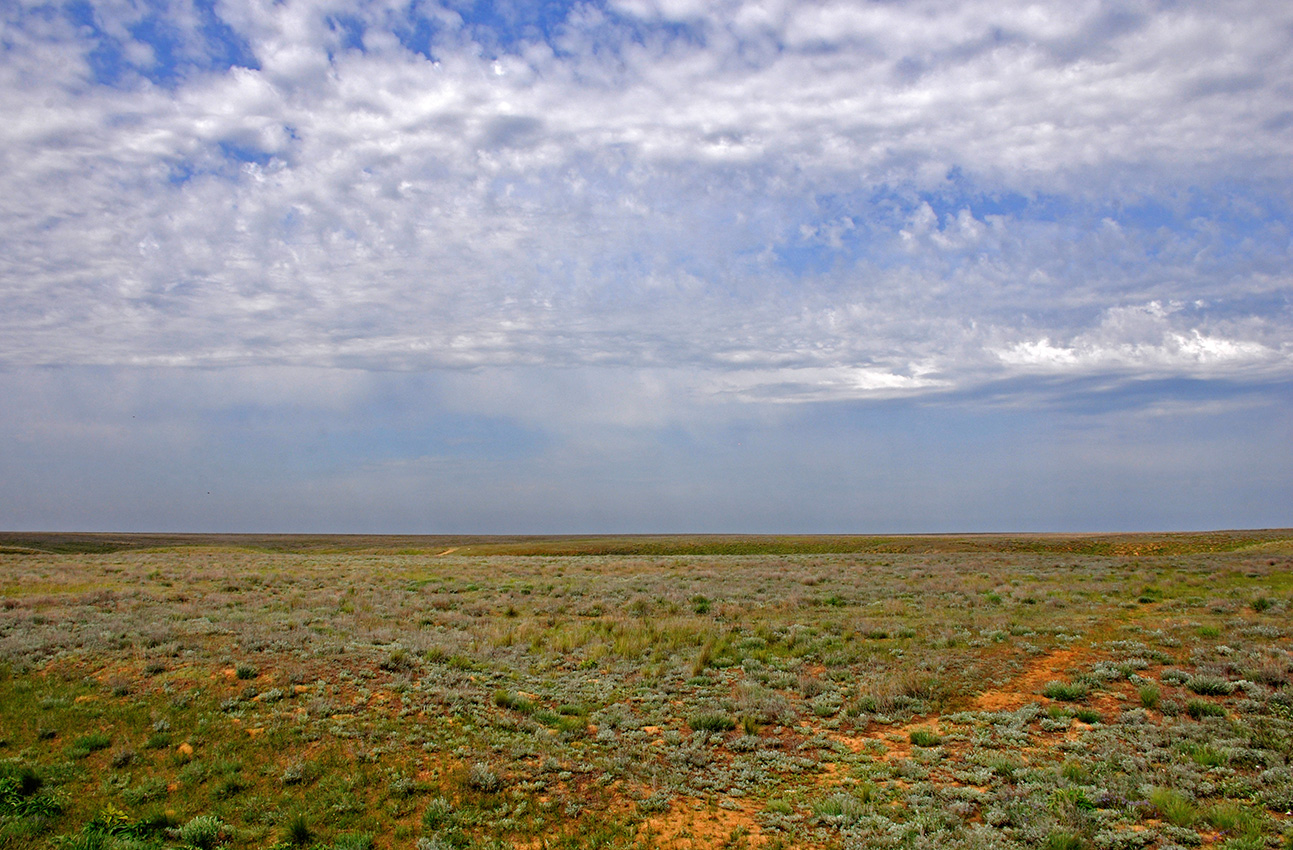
x,y
655,544
715,691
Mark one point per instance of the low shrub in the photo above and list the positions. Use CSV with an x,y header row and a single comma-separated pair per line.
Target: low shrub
x,y
1268,672
1209,685
439,814
481,778
202,832
839,806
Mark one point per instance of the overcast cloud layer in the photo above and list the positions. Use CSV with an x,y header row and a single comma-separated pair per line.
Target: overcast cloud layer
x,y
646,266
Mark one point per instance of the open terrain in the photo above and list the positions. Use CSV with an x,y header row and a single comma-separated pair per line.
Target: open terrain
x,y
985,691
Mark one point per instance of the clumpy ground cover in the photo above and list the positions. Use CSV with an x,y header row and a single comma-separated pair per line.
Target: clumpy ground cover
x,y
952,692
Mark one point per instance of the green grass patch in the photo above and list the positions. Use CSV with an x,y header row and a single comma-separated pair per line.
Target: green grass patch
x,y
1201,708
1088,715
86,744
1174,807
711,722
924,738
1065,691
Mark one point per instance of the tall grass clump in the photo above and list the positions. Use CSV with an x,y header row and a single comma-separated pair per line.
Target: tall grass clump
x,y
1201,708
711,722
1065,691
297,831
1174,806
925,738
1209,685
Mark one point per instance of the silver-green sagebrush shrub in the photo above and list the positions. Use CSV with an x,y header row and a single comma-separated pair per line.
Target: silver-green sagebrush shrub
x,y
203,832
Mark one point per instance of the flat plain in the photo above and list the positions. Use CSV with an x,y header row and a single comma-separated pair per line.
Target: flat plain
x,y
987,691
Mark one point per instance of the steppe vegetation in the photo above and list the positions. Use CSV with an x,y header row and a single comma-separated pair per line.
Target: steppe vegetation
x,y
346,693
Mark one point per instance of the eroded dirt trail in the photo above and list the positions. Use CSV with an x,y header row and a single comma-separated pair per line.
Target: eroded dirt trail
x,y
1024,689
1028,685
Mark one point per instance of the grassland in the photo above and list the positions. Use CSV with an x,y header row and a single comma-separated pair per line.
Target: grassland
x,y
988,691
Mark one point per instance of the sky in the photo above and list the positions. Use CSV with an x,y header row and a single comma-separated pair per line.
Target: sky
x,y
646,265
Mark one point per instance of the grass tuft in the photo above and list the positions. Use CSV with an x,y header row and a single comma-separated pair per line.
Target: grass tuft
x,y
1063,841
1201,708
1175,807
1209,685
1065,691
711,722
297,832
924,738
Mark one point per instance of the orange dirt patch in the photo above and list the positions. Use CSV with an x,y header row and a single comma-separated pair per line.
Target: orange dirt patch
x,y
1028,685
896,739
687,829
1108,704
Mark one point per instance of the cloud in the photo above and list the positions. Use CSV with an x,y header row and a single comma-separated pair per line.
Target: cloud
x,y
340,198
1148,341
645,218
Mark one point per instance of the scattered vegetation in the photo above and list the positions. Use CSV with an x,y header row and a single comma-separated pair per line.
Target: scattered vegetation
x,y
1125,691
